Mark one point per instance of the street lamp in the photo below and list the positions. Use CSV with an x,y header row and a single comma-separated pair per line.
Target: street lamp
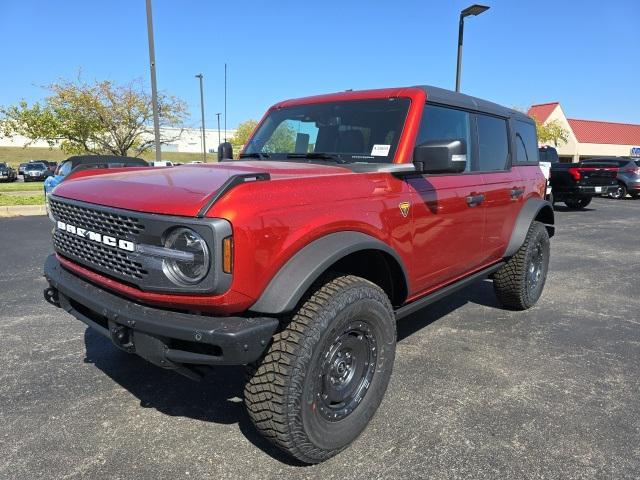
x,y
204,143
469,11
154,88
218,115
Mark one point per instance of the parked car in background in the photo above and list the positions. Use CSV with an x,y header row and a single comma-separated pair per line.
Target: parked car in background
x,y
163,163
36,171
7,173
21,168
548,156
576,184
628,174
85,162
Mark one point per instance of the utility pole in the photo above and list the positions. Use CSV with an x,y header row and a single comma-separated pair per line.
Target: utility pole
x,y
218,115
154,88
225,102
204,143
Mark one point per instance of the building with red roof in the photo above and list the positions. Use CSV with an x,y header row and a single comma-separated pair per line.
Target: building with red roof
x,y
588,138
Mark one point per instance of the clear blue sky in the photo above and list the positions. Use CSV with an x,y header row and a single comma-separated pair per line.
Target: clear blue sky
x,y
584,54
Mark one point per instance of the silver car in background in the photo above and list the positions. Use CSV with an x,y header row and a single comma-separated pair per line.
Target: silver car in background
x,y
628,174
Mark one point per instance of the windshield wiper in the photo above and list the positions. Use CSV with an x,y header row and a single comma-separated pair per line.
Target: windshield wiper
x,y
318,156
258,155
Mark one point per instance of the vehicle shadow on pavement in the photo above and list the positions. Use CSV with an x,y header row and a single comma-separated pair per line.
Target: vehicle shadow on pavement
x,y
480,293
562,208
218,397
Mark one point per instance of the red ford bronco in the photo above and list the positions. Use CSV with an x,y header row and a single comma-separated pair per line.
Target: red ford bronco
x,y
344,213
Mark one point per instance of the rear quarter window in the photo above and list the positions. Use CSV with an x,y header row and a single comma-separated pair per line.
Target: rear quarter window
x,y
526,143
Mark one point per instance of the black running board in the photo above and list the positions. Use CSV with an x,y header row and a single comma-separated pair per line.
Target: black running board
x,y
416,305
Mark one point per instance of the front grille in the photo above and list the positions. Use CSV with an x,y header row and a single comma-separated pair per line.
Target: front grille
x,y
106,258
108,223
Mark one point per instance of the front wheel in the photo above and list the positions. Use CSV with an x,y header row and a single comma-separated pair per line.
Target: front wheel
x,y
577,203
519,283
325,374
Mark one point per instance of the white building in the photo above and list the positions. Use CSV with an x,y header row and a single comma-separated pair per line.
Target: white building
x,y
186,140
589,138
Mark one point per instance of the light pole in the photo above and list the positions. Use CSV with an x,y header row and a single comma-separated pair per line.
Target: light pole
x,y
472,10
204,143
154,88
218,115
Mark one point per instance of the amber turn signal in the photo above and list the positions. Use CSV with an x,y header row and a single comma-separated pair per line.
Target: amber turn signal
x,y
227,255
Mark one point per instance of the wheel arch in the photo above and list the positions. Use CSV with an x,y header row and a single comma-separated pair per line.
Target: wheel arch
x,y
352,253
534,209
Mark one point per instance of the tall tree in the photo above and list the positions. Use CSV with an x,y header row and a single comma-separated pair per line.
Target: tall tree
x,y
99,117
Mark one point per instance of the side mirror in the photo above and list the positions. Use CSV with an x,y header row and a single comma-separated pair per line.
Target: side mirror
x,y
440,156
225,151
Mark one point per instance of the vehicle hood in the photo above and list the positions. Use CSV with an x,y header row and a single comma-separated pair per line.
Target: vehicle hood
x,y
181,190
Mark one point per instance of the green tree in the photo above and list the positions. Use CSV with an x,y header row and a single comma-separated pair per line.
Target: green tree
x,y
99,117
283,139
243,132
552,132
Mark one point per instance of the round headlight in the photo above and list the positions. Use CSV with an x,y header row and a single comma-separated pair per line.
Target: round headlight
x,y
195,266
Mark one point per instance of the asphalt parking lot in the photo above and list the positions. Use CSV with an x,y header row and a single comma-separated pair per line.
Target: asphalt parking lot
x,y
477,392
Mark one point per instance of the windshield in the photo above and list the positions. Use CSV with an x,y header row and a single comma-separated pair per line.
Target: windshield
x,y
352,131
35,166
3,165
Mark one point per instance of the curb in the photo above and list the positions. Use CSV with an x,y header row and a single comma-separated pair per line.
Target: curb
x,y
22,210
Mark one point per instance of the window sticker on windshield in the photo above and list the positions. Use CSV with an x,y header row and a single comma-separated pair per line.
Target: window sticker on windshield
x,y
380,150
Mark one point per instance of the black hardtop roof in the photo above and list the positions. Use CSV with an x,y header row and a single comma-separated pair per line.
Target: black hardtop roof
x,y
461,100
102,159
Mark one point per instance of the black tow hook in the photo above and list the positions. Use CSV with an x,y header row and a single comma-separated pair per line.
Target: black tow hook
x,y
51,296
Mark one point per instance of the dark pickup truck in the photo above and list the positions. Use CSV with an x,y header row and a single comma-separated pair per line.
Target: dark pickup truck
x,y
575,183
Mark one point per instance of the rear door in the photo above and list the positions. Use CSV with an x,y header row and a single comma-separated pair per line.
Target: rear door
x,y
503,188
448,210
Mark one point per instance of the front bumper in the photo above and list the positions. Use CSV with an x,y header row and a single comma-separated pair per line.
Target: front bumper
x,y
166,338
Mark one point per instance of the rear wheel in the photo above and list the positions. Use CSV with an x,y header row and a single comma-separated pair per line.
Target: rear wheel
x,y
577,203
325,374
620,192
519,283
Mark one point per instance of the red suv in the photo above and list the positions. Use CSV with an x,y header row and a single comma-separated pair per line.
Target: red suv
x,y
344,213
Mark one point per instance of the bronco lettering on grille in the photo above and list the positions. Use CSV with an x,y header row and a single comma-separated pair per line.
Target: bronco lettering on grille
x,y
97,237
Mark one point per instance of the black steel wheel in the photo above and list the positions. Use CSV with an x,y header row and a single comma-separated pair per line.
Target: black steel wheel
x,y
326,372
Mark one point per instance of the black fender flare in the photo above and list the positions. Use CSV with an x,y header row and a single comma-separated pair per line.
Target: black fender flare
x,y
294,278
532,208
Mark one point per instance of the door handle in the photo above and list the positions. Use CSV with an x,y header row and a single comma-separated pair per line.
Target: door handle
x,y
473,200
516,192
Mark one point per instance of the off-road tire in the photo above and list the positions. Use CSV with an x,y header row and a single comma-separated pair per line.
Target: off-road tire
x,y
577,203
282,396
513,283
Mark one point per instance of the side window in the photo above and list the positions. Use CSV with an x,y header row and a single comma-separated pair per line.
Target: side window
x,y
526,142
493,144
443,123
